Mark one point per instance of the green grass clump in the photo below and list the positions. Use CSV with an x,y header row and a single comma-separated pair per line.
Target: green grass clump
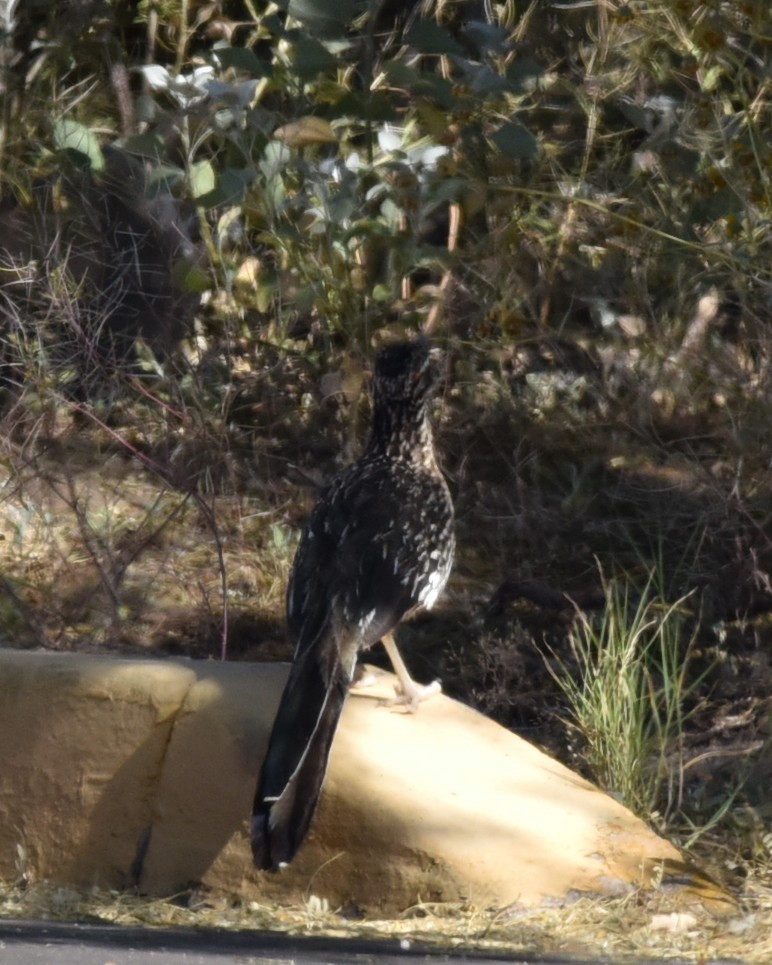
x,y
630,691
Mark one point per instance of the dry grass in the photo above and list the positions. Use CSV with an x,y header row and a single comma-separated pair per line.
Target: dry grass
x,y
107,559
653,925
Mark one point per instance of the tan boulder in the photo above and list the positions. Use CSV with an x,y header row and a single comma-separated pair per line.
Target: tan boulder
x,y
121,772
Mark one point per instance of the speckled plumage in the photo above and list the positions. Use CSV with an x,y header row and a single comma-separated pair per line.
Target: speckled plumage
x,y
378,545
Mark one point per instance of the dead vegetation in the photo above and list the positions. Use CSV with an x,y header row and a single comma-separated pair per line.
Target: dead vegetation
x,y
635,927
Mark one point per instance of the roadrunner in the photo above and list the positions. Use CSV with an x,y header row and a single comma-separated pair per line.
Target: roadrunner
x,y
377,547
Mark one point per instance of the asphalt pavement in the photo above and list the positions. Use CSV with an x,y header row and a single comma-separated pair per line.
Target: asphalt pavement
x,y
62,943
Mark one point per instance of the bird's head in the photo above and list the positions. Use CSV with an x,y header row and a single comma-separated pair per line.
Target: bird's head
x,y
403,373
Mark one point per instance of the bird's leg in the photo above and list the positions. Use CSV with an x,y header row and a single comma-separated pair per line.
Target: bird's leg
x,y
362,678
409,693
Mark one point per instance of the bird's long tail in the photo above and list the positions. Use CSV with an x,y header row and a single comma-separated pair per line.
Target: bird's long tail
x,y
295,764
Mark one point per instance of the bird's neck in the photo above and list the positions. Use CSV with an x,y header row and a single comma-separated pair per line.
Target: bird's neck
x,y
399,432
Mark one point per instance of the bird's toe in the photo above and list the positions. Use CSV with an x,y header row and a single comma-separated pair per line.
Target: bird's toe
x,y
412,695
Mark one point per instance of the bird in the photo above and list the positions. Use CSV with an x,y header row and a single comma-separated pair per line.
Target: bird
x,y
377,547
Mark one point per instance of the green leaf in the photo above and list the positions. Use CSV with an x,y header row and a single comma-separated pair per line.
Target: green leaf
x,y
310,57
523,72
230,188
712,77
188,277
430,86
264,294
149,145
330,16
233,183
383,294
515,141
276,157
165,175
202,178
373,105
72,136
448,189
342,207
638,116
483,81
487,38
242,58
430,38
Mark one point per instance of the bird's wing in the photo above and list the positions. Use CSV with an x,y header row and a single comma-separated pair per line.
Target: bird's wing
x,y
352,565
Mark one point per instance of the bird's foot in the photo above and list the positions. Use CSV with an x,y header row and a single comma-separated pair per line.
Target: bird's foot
x,y
409,694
